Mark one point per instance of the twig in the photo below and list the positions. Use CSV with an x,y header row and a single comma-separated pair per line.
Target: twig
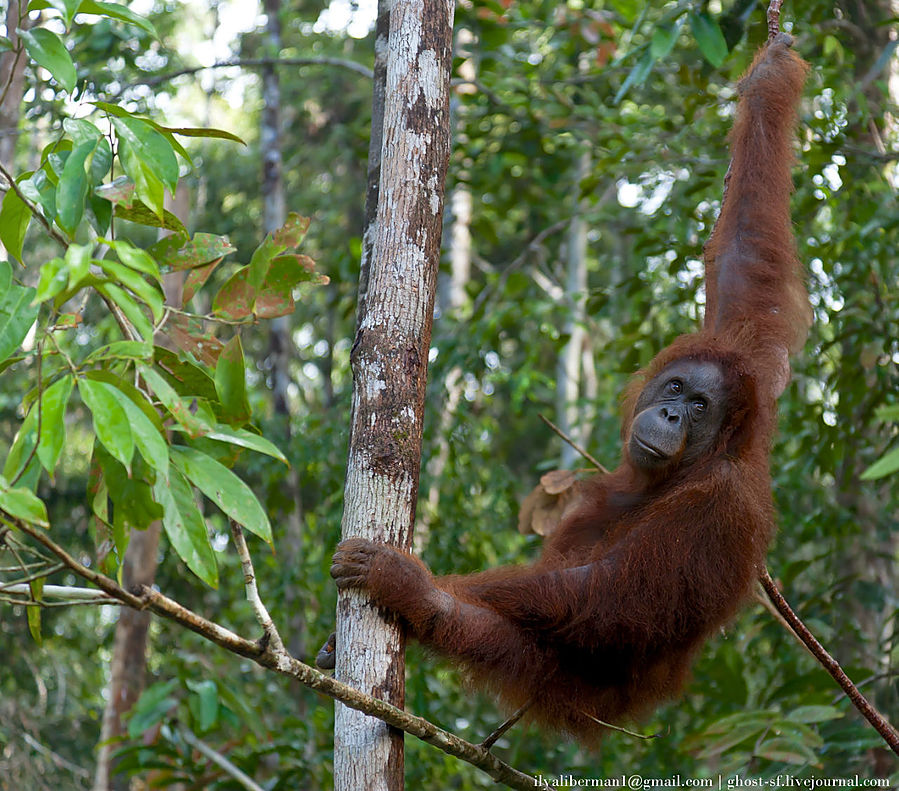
x,y
269,630
625,731
283,663
494,737
573,444
343,63
67,593
57,759
218,759
774,18
877,720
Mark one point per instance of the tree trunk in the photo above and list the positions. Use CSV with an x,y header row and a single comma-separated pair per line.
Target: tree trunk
x,y
389,360
568,387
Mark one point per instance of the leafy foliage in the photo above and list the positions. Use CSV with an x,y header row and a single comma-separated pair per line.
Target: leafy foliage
x,y
645,89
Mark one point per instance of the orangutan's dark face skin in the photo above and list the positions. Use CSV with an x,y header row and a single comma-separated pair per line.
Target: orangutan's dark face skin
x,y
678,415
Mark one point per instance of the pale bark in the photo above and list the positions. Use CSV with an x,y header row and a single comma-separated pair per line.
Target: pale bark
x,y
389,360
569,368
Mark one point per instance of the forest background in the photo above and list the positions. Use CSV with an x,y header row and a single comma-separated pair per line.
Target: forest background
x,y
587,162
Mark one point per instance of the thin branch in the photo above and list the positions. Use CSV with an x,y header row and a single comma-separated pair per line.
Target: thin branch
x,y
218,759
53,233
66,593
282,662
494,737
58,760
573,444
249,577
881,725
343,63
774,18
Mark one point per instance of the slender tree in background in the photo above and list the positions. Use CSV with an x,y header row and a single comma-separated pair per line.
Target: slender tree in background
x,y
12,82
389,361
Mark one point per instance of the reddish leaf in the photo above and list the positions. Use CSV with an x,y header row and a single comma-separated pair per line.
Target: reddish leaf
x,y
188,336
203,249
236,299
292,232
196,278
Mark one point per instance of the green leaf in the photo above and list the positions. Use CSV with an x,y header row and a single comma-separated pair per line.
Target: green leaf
x,y
150,294
882,467
637,75
150,147
23,504
78,259
68,8
147,186
137,259
130,308
54,277
46,49
246,439
809,714
886,413
142,214
206,699
14,219
152,707
231,383
185,527
53,403
83,132
116,11
17,314
709,38
149,441
785,751
111,424
191,131
178,409
223,488
663,40
34,613
122,350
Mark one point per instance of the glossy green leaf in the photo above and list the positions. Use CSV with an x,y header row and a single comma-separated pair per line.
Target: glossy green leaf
x,y
46,49
78,261
204,703
147,185
135,258
148,293
246,439
23,504
150,443
111,424
185,527
122,350
223,488
14,219
231,383
709,37
130,308
117,11
882,467
54,278
142,215
34,613
53,404
71,193
17,314
178,409
150,147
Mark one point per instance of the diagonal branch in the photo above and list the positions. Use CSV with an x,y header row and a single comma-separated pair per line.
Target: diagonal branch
x,y
265,655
